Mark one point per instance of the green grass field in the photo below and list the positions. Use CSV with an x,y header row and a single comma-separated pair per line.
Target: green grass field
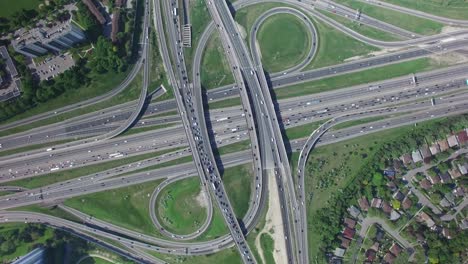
x,y
38,181
267,243
9,8
236,101
412,23
94,260
281,53
226,256
303,130
363,29
350,79
238,181
235,147
199,17
127,206
335,47
179,208
215,70
456,9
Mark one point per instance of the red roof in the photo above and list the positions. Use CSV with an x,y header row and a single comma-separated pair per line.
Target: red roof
x,y
395,249
462,137
349,233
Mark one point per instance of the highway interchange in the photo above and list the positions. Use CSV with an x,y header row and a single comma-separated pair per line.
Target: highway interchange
x,y
195,132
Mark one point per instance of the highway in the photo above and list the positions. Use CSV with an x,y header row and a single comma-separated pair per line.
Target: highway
x,y
444,20
193,132
294,112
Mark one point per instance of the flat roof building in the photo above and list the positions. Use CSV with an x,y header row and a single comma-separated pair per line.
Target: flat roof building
x,y
48,38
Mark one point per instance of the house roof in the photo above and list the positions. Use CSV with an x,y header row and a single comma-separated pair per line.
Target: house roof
x,y
462,137
376,202
454,173
395,249
445,177
406,203
423,217
394,215
434,179
363,203
452,141
389,258
425,152
425,184
406,158
463,168
443,144
398,195
446,233
386,207
345,242
349,233
349,222
434,148
416,155
371,255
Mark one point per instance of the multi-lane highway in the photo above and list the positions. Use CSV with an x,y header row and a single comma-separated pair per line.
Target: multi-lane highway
x,y
194,133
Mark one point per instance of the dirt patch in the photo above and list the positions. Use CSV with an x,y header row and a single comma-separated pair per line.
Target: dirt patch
x,y
450,58
450,29
259,246
372,54
202,198
242,30
274,222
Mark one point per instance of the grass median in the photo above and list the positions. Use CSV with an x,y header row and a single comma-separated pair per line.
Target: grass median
x,y
455,9
405,21
126,207
215,69
355,78
238,181
362,29
51,178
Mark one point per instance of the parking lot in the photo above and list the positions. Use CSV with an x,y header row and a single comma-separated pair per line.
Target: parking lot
x,y
52,66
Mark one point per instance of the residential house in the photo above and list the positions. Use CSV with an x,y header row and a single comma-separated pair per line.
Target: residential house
x,y
446,233
462,137
452,141
375,246
398,196
425,184
463,168
443,145
434,179
406,158
434,148
445,177
390,174
459,191
406,203
376,202
416,156
394,215
392,186
454,173
425,153
349,233
386,207
395,249
388,258
422,217
371,255
397,164
464,224
363,204
353,211
349,222
345,242
339,252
